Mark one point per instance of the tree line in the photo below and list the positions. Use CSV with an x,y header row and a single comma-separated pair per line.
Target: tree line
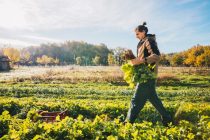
x,y
82,53
197,56
69,52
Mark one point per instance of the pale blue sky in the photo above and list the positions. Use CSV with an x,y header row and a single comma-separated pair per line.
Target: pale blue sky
x,y
178,24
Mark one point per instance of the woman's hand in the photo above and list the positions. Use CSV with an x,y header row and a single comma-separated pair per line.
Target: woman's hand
x,y
128,55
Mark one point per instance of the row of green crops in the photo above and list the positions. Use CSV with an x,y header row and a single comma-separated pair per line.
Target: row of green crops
x,y
100,128
101,91
91,108
95,111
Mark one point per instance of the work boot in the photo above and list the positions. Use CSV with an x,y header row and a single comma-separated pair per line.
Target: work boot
x,y
167,120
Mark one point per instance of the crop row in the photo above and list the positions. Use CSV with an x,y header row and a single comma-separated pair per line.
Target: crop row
x,y
105,92
91,108
101,127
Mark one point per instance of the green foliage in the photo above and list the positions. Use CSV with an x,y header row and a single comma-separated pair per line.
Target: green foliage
x,y
68,51
78,60
96,110
33,115
96,60
5,119
137,74
164,60
119,55
177,60
101,127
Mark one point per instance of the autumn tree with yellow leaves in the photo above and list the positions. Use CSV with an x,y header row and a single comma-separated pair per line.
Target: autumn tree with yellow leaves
x,y
111,59
12,53
197,56
45,60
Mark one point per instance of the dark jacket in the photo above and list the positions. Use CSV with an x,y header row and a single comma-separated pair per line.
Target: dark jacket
x,y
148,48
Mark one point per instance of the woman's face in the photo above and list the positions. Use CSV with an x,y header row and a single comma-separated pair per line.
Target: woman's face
x,y
140,35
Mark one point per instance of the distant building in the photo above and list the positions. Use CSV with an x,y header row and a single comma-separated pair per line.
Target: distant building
x,y
4,63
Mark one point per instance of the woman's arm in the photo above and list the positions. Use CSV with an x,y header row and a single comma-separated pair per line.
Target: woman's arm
x,y
137,61
153,58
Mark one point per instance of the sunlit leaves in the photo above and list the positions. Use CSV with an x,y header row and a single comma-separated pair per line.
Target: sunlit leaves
x,y
137,74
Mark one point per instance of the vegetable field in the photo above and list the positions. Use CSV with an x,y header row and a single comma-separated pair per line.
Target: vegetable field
x,y
96,100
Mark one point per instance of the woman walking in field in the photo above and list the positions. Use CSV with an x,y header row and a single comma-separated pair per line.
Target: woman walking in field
x,y
147,53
